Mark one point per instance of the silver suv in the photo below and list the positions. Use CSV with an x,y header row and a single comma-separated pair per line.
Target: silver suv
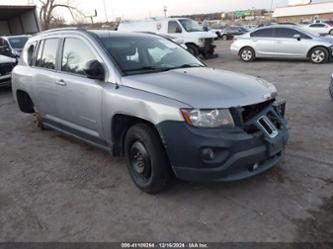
x,y
283,41
147,98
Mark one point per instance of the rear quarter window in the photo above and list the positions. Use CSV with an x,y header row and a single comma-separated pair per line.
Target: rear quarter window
x,y
30,54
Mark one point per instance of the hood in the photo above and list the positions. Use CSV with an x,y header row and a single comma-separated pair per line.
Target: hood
x,y
204,87
6,59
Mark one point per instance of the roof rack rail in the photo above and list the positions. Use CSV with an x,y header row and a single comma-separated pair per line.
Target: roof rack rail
x,y
63,29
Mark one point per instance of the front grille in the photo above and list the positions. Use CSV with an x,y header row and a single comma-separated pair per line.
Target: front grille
x,y
6,69
252,110
209,41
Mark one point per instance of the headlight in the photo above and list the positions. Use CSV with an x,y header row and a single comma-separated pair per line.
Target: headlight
x,y
212,118
201,40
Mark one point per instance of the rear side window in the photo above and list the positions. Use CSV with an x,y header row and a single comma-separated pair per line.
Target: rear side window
x,y
263,33
174,27
75,56
47,54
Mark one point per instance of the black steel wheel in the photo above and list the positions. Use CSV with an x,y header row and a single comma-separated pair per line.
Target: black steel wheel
x,y
147,161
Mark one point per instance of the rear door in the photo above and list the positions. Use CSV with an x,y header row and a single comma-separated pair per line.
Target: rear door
x,y
47,97
263,42
81,103
287,46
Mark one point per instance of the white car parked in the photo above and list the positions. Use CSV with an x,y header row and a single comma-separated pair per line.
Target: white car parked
x,y
320,28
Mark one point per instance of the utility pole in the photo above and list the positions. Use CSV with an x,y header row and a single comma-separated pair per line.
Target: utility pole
x,y
165,9
105,11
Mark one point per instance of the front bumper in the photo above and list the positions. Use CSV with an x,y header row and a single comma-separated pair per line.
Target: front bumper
x,y
237,154
5,80
208,48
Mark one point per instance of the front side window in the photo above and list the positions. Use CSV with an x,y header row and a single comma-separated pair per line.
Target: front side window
x,y
174,27
263,33
76,54
47,54
147,54
190,25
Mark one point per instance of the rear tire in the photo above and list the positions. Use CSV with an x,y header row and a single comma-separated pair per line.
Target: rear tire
x,y
319,55
247,54
193,50
224,37
147,161
331,32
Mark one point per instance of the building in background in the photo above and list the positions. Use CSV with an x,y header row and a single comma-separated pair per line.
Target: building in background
x,y
304,12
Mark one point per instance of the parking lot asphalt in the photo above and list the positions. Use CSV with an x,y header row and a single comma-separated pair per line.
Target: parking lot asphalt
x,y
54,188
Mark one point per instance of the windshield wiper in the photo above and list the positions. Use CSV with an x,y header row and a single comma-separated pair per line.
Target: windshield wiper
x,y
189,65
152,68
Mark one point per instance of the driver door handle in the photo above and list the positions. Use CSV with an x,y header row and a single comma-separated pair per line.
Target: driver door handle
x,y
61,83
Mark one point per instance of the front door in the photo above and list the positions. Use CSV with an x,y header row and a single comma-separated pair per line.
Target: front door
x,y
287,45
81,105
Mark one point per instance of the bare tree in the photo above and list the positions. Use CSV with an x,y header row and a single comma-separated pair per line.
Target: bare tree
x,y
46,12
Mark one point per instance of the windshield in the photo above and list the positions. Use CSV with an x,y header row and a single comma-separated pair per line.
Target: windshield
x,y
18,42
190,25
147,54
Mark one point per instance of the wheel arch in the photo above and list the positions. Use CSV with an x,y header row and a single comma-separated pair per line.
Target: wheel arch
x,y
317,46
120,125
246,46
24,101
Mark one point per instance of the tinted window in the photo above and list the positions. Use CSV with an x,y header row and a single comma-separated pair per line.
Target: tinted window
x,y
174,27
75,56
4,48
317,25
47,54
18,42
31,53
262,33
288,33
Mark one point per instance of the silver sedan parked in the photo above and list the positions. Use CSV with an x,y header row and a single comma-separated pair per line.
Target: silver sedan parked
x,y
283,41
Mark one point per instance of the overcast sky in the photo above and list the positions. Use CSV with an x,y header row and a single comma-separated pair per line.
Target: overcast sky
x,y
131,9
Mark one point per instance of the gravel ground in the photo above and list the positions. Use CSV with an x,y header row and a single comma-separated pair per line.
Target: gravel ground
x,y
54,188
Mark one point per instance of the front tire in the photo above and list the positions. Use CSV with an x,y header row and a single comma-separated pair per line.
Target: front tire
x,y
319,55
224,37
247,54
147,161
193,50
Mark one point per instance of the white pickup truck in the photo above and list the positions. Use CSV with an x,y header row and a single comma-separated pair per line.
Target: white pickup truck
x,y
198,41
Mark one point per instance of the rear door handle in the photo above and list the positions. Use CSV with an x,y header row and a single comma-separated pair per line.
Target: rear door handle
x,y
61,83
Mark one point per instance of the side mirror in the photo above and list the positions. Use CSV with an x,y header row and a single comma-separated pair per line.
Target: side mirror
x,y
297,37
94,70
